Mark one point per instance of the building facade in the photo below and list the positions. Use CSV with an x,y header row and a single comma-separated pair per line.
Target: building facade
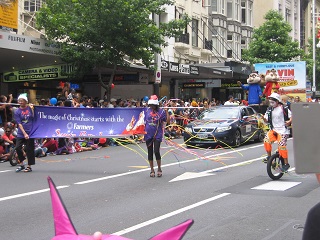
x,y
208,51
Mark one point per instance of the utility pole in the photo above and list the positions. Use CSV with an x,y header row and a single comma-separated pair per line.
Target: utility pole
x,y
157,62
314,88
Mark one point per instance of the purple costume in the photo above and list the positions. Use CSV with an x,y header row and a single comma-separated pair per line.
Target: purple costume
x,y
154,124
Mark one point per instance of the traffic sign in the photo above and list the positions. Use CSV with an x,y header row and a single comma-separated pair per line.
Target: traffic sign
x,y
158,76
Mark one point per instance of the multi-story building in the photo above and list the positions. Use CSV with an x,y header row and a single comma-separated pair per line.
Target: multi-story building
x,y
298,13
209,50
218,31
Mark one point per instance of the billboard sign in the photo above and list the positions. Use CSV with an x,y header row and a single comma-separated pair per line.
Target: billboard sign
x,y
292,77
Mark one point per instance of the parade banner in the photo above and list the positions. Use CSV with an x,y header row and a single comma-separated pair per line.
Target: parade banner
x,y
68,122
292,77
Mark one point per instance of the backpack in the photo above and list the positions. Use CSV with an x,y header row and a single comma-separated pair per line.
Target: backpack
x,y
285,111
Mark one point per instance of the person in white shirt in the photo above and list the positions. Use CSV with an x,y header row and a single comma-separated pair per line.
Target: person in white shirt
x,y
279,118
112,103
230,101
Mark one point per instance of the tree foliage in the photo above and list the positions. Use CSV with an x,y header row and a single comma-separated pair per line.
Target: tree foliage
x,y
309,62
100,33
271,42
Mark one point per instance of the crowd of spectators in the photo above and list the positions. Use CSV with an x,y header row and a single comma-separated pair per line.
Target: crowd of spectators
x,y
179,117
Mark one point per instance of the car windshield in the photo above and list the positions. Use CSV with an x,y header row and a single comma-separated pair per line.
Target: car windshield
x,y
220,113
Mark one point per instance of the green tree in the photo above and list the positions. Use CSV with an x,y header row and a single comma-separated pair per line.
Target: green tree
x,y
271,42
101,33
309,62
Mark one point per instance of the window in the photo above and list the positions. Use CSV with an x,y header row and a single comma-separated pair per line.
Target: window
x,y
229,9
218,39
214,5
250,14
288,14
229,37
250,111
195,32
243,12
237,45
236,10
223,5
33,5
229,53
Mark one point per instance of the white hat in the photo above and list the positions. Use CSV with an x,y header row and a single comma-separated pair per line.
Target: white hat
x,y
23,96
101,101
153,100
275,96
113,100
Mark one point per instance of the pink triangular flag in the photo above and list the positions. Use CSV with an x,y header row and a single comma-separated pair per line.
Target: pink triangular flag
x,y
62,221
175,233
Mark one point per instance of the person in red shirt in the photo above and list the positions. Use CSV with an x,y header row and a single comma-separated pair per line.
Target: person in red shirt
x,y
8,137
3,155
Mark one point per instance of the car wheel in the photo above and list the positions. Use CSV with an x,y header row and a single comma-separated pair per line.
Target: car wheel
x,y
236,139
260,137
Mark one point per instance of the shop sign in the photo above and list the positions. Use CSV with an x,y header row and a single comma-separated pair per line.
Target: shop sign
x,y
174,67
194,85
184,68
230,85
216,83
194,70
33,74
164,65
126,78
9,17
28,44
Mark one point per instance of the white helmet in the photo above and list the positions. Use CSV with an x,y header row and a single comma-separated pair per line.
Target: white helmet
x,y
275,96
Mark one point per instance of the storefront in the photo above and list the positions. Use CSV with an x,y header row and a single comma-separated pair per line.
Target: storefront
x,y
29,65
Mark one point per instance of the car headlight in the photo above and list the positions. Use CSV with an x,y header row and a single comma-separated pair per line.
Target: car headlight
x,y
223,129
188,129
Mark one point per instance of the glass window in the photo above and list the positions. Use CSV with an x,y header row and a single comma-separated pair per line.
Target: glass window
x,y
250,14
214,5
195,32
223,6
229,53
236,10
243,12
33,5
229,37
250,111
229,9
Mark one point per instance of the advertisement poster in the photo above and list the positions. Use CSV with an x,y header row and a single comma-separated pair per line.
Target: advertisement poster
x,y
68,122
292,77
9,17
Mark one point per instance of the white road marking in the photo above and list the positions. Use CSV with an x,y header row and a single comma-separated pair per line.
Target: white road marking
x,y
29,193
5,171
157,219
175,163
190,175
276,186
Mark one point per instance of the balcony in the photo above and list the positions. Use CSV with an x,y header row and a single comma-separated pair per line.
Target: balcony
x,y
207,47
182,42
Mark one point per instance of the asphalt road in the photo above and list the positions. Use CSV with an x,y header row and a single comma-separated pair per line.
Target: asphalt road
x,y
225,191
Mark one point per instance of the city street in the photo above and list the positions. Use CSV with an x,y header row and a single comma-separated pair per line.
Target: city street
x,y
227,193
